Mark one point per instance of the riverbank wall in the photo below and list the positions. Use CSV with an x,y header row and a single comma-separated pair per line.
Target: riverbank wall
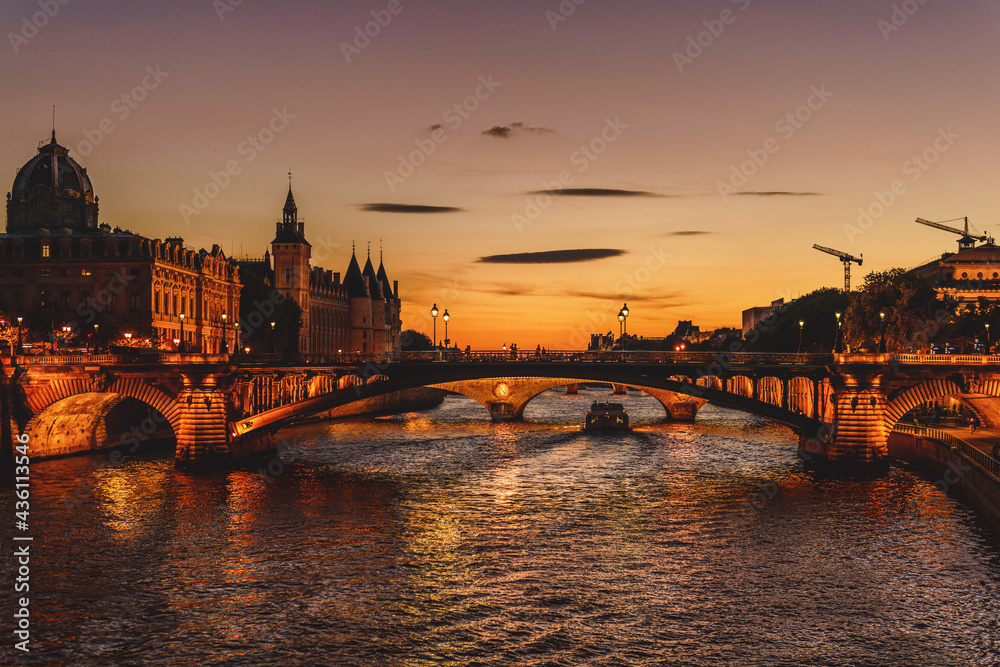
x,y
958,467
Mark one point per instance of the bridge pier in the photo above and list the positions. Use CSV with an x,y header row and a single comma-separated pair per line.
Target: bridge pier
x,y
202,433
859,435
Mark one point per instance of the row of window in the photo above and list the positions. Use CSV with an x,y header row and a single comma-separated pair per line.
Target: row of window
x,y
105,302
48,272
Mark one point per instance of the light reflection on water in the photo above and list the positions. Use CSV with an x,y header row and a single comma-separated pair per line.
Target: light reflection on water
x,y
439,537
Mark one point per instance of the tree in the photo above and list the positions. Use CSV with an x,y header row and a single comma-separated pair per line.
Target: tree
x,y
781,332
261,304
908,303
414,341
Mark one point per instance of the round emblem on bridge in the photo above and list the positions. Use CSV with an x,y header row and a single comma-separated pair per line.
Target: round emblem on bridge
x,y
501,390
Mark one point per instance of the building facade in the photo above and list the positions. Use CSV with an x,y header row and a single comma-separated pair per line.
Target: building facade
x,y
357,315
965,276
63,271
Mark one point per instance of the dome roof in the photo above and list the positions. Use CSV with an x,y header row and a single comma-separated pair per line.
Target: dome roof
x,y
54,169
51,191
984,254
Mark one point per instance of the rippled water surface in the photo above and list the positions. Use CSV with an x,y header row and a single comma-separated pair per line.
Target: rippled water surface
x,y
440,538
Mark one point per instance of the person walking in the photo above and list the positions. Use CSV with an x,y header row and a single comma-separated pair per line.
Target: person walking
x,y
995,455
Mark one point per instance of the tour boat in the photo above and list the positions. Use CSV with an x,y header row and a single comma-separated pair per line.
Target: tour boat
x,y
607,417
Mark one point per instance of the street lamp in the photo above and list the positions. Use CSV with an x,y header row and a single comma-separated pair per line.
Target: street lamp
x,y
274,342
225,338
987,339
177,344
621,318
128,339
881,342
836,345
434,315
19,347
446,317
181,348
624,326
801,324
95,337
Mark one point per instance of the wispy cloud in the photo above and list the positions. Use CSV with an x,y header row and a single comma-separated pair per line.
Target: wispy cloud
x,y
658,298
595,192
775,193
688,232
508,131
553,256
407,208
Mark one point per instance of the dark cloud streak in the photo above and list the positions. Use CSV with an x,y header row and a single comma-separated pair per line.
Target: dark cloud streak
x,y
776,193
508,131
407,208
595,192
553,256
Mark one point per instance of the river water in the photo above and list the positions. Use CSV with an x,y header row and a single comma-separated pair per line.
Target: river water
x,y
440,538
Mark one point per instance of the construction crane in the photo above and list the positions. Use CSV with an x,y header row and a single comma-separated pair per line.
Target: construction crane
x,y
967,241
846,259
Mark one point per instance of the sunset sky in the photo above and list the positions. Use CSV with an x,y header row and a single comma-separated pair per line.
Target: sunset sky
x,y
703,147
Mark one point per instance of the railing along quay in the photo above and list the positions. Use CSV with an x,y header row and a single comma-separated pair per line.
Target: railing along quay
x,y
977,455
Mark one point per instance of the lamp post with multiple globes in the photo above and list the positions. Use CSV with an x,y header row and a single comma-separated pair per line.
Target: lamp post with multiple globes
x,y
446,317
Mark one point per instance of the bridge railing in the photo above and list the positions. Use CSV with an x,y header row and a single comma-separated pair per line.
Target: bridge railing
x,y
965,359
120,359
977,455
647,356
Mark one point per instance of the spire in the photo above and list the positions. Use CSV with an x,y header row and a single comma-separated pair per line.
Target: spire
x,y
354,280
291,211
383,278
54,123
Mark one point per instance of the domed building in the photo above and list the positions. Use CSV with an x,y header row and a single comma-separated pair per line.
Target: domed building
x,y
75,280
967,275
52,191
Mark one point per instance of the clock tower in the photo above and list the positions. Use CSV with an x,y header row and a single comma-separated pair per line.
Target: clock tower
x,y
291,253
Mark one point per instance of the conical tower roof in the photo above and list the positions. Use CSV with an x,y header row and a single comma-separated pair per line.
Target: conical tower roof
x,y
383,280
371,277
354,280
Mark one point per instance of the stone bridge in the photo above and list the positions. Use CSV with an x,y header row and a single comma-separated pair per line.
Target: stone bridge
x,y
217,407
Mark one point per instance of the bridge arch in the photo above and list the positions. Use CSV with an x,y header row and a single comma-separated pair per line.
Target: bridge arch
x,y
489,375
507,398
931,390
93,421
